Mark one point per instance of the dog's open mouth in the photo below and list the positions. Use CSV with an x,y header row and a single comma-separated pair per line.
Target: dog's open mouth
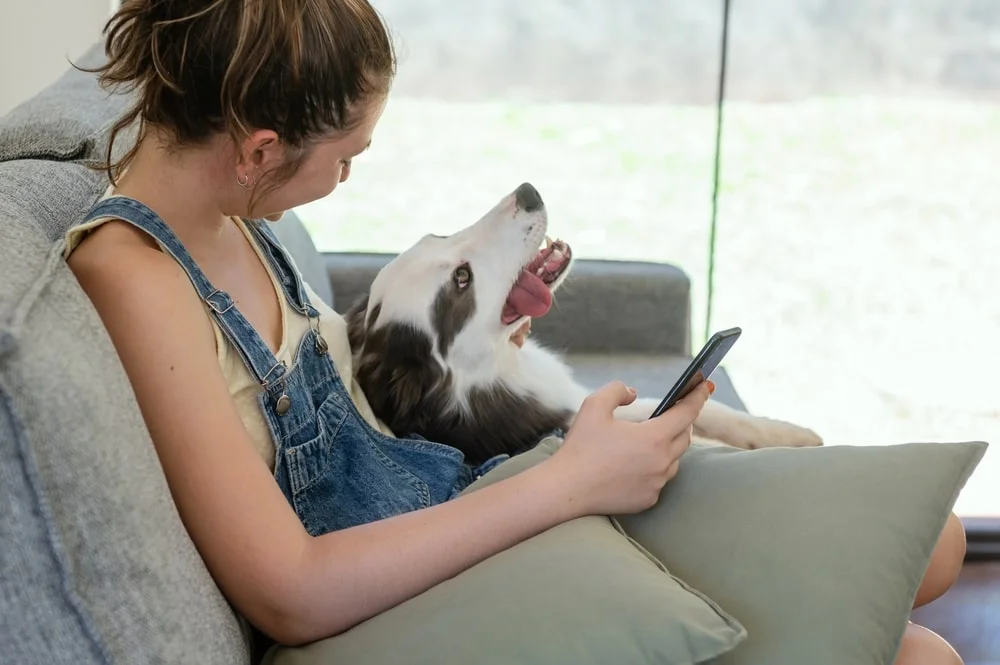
x,y
532,293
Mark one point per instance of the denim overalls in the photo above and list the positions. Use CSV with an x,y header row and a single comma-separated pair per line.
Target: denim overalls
x,y
334,468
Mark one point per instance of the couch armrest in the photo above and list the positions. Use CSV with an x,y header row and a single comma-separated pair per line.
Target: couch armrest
x,y
605,307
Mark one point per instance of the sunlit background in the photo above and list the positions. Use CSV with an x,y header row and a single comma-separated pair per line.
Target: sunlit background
x,y
856,242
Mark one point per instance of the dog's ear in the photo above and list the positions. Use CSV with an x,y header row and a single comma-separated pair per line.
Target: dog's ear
x,y
398,374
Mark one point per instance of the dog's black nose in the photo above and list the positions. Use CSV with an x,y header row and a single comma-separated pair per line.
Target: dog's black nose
x,y
527,197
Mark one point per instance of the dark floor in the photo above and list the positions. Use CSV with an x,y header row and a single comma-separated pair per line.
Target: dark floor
x,y
968,615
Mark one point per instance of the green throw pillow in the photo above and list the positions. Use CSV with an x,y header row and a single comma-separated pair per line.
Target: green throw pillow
x,y
578,594
817,551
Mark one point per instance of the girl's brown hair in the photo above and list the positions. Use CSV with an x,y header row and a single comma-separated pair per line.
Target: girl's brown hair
x,y
201,67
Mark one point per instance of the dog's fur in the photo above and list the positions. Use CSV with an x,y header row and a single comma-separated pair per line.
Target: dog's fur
x,y
440,351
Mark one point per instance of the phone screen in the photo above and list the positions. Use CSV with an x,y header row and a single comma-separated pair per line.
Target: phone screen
x,y
701,368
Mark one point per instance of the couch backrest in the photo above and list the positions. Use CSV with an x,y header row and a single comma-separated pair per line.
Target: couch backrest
x,y
95,564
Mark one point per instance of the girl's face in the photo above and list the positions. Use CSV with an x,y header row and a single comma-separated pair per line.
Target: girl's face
x,y
326,165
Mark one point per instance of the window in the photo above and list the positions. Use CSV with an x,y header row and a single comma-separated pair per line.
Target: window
x,y
856,242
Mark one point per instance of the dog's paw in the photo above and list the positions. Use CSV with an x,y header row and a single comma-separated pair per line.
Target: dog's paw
x,y
756,432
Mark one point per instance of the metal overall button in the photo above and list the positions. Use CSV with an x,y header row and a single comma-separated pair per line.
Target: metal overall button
x,y
321,345
284,402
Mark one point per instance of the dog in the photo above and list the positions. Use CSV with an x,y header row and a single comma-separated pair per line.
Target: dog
x,y
441,343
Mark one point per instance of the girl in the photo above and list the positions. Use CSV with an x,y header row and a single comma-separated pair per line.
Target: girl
x,y
245,109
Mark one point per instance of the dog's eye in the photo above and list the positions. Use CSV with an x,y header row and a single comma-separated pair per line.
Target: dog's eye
x,y
462,276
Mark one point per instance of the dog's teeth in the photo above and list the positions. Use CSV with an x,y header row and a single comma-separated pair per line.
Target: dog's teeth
x,y
548,242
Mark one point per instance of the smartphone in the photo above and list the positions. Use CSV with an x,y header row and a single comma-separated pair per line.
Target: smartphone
x,y
706,362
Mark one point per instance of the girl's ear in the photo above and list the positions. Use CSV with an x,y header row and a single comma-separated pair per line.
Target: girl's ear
x,y
261,151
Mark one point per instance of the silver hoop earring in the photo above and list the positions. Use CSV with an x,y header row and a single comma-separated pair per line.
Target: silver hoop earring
x,y
244,181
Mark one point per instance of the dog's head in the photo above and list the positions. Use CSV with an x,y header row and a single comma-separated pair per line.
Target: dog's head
x,y
443,314
487,280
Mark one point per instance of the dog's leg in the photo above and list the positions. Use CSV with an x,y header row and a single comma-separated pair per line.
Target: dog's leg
x,y
743,430
719,422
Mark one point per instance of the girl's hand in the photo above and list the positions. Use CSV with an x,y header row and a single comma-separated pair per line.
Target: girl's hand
x,y
616,466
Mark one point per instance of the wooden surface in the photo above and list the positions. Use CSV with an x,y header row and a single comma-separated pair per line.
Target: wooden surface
x,y
968,615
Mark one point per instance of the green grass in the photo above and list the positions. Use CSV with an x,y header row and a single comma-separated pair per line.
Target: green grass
x,y
857,243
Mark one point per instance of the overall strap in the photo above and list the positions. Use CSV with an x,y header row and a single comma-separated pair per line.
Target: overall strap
x,y
288,276
244,338
281,263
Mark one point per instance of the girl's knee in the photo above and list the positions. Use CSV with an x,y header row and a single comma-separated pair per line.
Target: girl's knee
x,y
921,646
945,564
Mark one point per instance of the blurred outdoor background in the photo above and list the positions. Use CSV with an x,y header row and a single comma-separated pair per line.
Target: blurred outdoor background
x,y
857,241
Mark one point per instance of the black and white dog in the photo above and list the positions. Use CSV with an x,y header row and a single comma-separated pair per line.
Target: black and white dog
x,y
441,344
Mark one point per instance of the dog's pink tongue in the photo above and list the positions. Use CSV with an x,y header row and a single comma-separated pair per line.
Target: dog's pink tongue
x,y
530,296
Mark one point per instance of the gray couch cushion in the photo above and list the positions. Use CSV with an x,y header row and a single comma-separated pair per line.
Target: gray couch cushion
x,y
39,618
612,320
101,569
41,126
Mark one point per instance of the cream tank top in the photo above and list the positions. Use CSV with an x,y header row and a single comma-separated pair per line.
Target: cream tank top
x,y
242,386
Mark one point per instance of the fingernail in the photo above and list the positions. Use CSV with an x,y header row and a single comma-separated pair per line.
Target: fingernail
x,y
633,390
711,387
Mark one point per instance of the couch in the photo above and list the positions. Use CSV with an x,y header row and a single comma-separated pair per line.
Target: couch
x,y
95,565
97,569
